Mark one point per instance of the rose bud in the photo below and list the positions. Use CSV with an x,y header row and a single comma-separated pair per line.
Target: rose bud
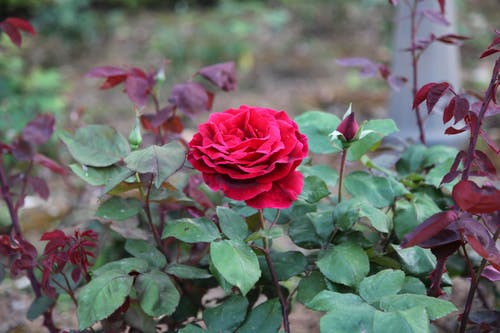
x,y
348,127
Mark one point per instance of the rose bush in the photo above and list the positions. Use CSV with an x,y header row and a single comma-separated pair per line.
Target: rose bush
x,y
251,154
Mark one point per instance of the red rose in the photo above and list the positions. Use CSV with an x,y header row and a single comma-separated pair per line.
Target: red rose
x,y
251,154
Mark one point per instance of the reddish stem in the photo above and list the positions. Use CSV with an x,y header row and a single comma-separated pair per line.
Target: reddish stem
x,y
48,322
488,96
414,66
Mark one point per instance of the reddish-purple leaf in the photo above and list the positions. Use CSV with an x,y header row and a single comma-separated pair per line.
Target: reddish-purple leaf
x,y
434,94
421,94
22,150
436,17
461,108
442,6
454,167
222,75
448,235
453,130
366,67
39,186
491,273
396,82
191,98
55,234
11,27
75,274
429,228
449,110
494,47
485,166
106,71
393,2
452,39
474,199
138,89
49,164
112,81
480,239
40,129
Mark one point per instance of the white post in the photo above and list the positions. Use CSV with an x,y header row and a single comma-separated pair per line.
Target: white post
x,y
440,62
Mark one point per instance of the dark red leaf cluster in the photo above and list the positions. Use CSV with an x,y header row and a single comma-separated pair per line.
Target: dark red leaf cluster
x,y
138,84
474,199
13,26
61,249
494,46
21,253
368,68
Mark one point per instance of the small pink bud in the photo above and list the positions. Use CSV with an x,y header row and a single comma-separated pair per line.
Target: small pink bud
x,y
348,127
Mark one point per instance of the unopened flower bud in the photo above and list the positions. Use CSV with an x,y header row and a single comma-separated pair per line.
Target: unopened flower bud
x,y
348,127
135,137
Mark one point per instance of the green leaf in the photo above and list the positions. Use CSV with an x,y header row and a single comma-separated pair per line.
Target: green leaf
x,y
384,283
233,225
327,174
416,260
439,154
412,285
331,301
125,266
236,262
275,232
265,318
314,189
380,127
322,222
413,320
192,230
379,191
116,179
346,263
102,296
436,174
346,214
187,272
435,307
161,161
286,264
410,213
96,145
411,160
39,306
310,286
119,209
317,126
377,218
348,319
227,316
97,176
145,250
138,319
191,329
157,294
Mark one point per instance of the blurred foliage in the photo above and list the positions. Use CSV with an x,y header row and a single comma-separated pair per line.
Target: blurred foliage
x,y
26,92
228,32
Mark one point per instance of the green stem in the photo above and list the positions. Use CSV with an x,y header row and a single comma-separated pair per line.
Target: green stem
x,y
341,175
274,276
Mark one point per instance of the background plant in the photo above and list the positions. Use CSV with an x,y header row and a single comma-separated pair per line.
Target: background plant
x,y
168,239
